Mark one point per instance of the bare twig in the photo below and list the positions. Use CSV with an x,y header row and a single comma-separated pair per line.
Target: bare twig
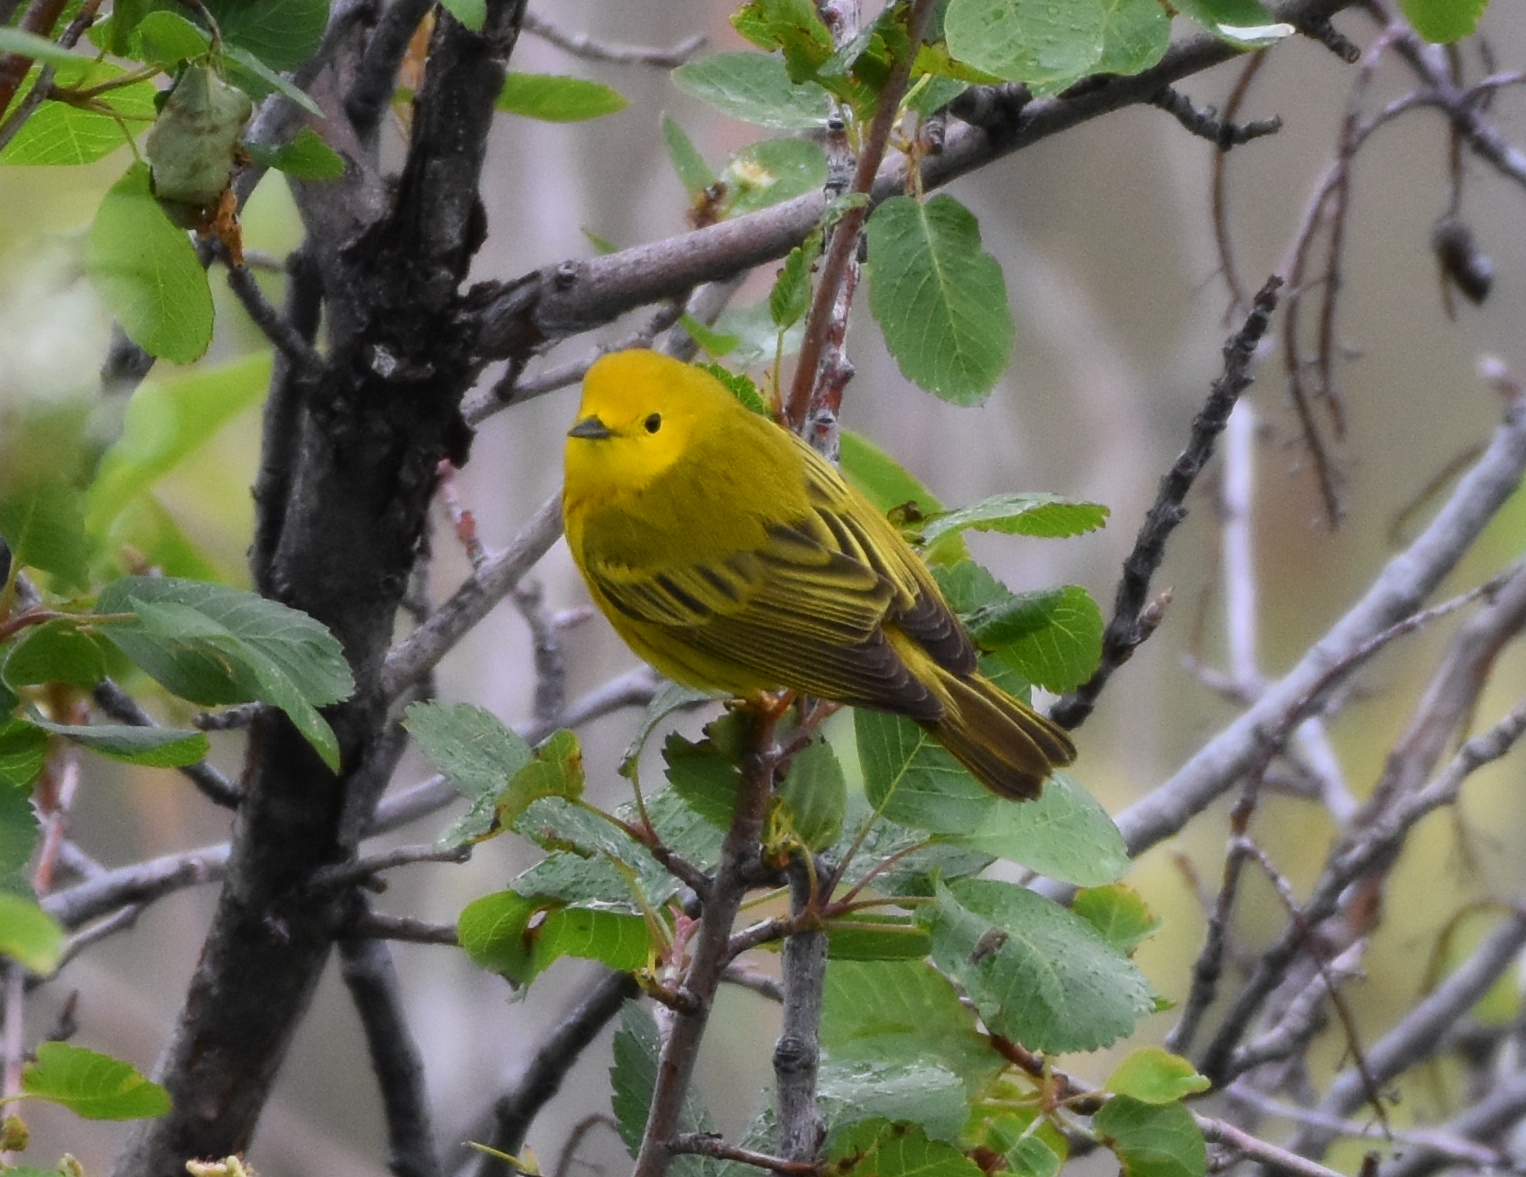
x,y
844,243
1124,632
698,1144
375,925
1206,123
797,1052
418,653
514,1111
140,883
368,972
362,869
711,950
277,328
582,45
1397,592
1225,1133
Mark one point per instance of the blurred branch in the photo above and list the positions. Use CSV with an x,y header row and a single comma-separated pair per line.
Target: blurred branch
x,y
1132,621
584,46
377,926
375,80
368,972
505,1125
421,650
1349,862
1398,591
138,884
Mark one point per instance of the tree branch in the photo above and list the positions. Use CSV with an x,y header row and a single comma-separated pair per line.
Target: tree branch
x,y
367,968
505,1126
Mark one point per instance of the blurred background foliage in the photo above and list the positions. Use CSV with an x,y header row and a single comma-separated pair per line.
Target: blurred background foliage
x,y
1106,239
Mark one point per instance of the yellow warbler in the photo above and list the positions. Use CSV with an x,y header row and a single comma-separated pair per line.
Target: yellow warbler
x,y
732,557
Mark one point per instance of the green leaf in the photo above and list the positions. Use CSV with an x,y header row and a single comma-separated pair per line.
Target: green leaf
x,y
633,1078
1152,1075
521,937
1065,834
815,795
147,272
868,937
1135,35
18,825
1046,515
477,754
37,48
281,33
772,171
43,523
555,99
92,1085
1061,653
682,829
898,1010
29,935
598,882
1444,21
938,297
704,775
555,769
672,697
58,134
910,779
757,335
212,644
169,418
257,79
155,747
790,297
1052,637
740,385
471,13
899,1150
23,751
1246,24
756,88
693,172
307,157
1152,1140
1037,973
1033,41
166,39
714,342
917,1092
1119,913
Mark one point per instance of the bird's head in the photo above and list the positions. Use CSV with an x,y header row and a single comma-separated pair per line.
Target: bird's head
x,y
639,414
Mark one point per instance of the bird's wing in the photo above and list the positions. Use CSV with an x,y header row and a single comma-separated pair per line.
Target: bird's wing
x,y
806,608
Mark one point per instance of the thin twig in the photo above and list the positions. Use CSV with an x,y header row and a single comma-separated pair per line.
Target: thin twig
x,y
584,46
1397,592
699,1144
1225,1133
1124,632
514,1111
277,329
421,650
1206,123
844,243
369,974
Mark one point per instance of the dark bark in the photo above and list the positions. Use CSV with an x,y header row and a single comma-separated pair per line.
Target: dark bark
x,y
350,467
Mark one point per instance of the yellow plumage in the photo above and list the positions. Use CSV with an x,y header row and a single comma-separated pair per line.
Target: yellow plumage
x,y
732,557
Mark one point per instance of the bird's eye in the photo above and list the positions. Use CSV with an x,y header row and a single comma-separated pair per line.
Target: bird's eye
x,y
653,423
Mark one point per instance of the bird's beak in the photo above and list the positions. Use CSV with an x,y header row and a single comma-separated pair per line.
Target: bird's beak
x,y
591,429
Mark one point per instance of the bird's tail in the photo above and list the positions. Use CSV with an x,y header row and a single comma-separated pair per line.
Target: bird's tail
x,y
1008,747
